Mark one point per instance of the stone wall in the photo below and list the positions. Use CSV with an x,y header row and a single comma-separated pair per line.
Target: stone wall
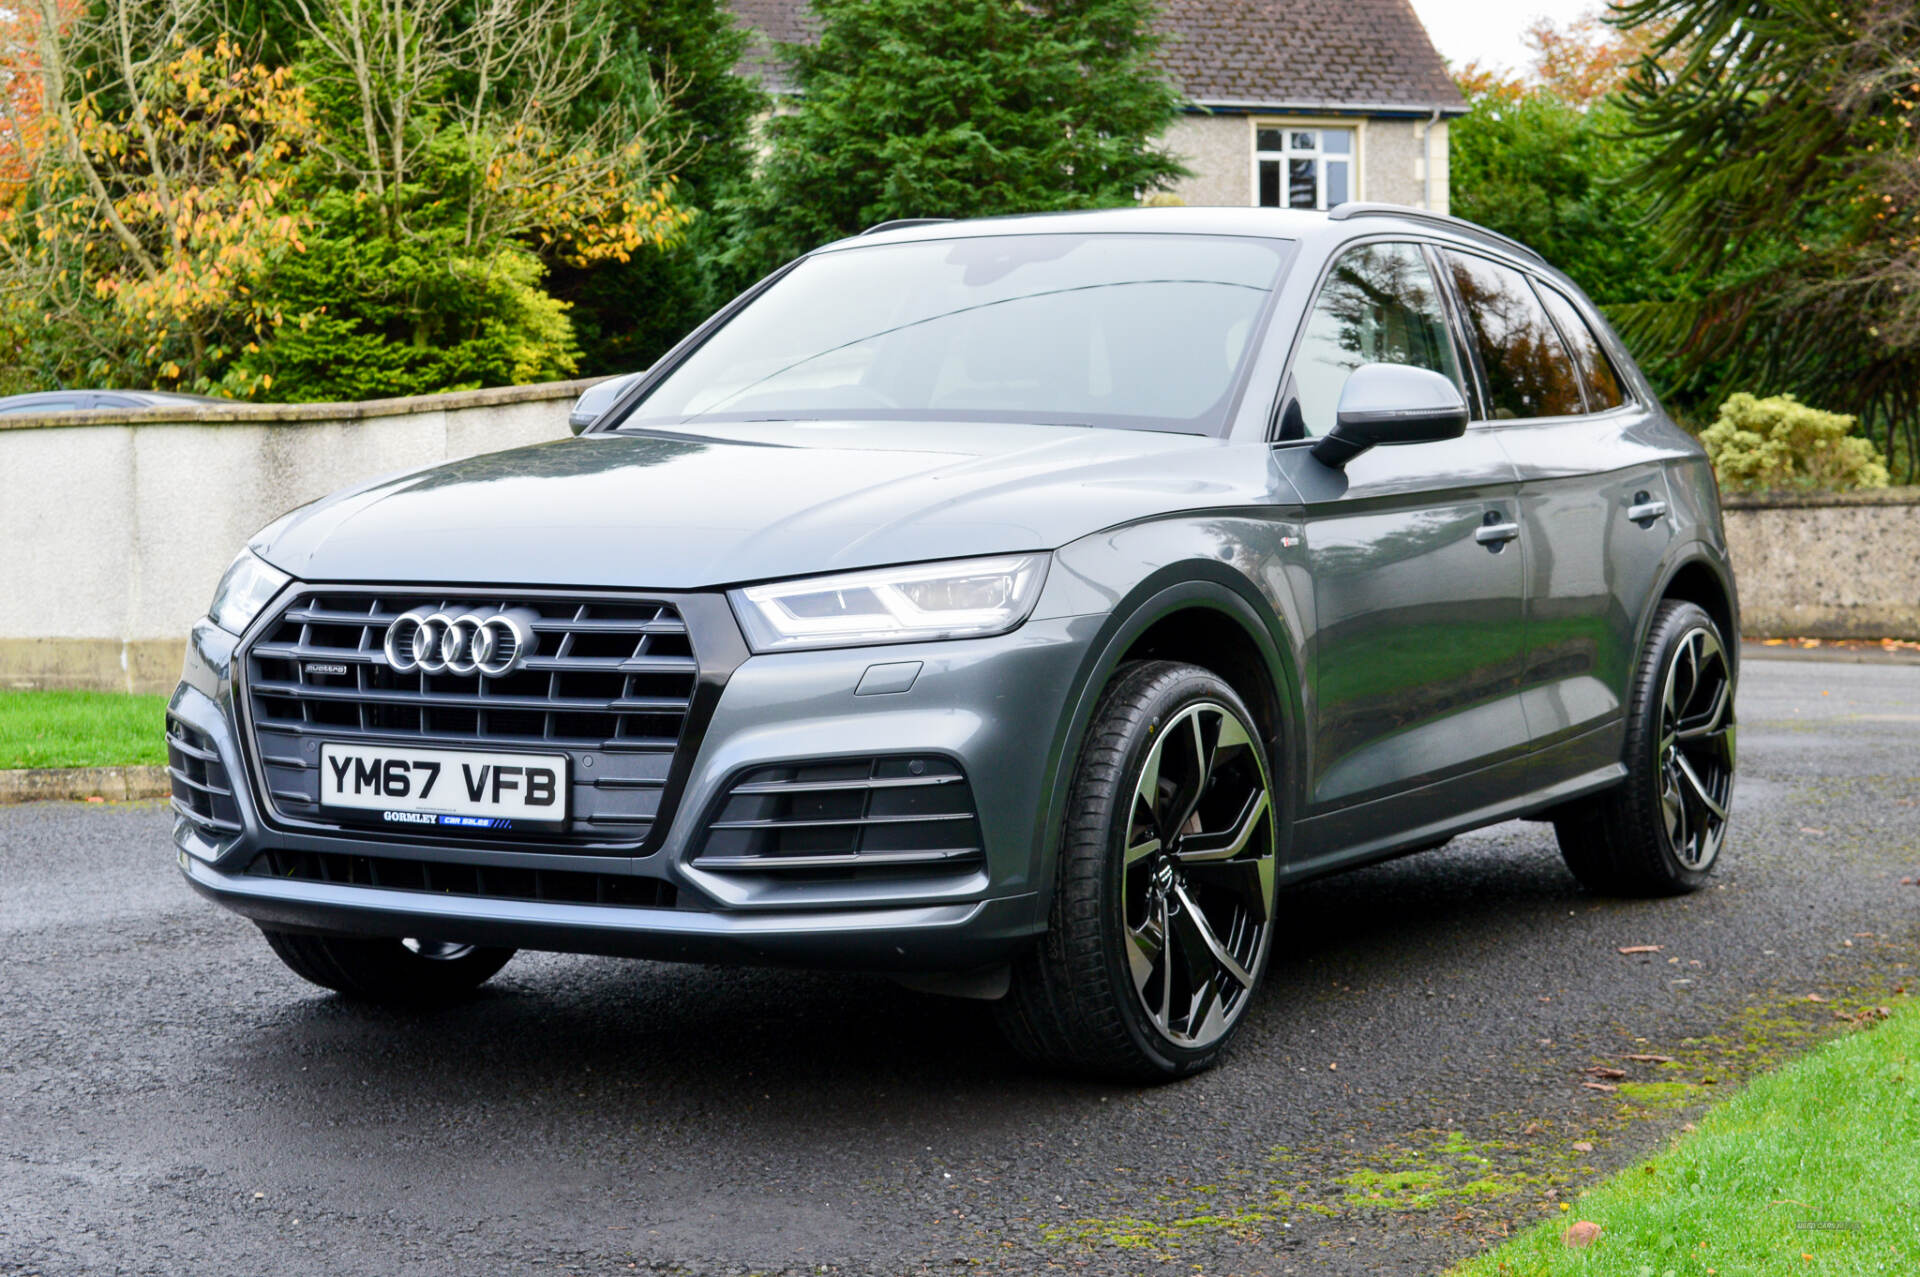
x,y
118,523
1827,565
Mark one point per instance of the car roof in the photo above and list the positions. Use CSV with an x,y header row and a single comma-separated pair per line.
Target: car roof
x,y
1322,231
147,398
41,396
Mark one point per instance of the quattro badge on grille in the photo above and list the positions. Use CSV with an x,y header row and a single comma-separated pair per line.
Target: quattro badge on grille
x,y
439,642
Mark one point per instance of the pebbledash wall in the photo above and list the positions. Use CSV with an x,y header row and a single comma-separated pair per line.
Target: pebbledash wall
x,y
117,525
1827,564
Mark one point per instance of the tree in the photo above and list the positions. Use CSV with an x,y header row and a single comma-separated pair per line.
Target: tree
x,y
959,108
1587,60
1551,173
627,313
153,195
457,162
1785,176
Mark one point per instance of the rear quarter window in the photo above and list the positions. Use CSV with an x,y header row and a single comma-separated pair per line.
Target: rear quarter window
x,y
1596,370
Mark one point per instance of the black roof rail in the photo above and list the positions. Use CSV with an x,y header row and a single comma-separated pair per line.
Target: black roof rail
x,y
901,223
1344,212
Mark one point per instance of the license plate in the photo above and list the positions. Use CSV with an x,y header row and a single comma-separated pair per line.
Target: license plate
x,y
443,788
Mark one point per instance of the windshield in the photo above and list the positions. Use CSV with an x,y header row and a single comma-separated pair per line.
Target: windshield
x,y
1143,331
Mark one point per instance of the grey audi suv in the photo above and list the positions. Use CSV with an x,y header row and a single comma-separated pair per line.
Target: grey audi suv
x,y
1013,606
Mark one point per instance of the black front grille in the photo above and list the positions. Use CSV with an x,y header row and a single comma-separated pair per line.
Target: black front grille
x,y
609,684
394,873
202,790
854,815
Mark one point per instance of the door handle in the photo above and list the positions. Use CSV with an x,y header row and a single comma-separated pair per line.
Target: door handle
x,y
1643,510
1496,534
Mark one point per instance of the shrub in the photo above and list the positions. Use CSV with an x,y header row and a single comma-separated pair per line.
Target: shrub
x,y
1757,445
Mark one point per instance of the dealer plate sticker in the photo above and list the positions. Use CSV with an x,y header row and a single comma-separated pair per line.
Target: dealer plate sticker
x,y
464,789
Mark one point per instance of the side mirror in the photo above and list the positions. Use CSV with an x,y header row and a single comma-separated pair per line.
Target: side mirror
x,y
1392,404
599,397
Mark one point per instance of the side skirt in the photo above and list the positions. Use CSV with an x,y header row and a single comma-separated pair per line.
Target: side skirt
x,y
1404,841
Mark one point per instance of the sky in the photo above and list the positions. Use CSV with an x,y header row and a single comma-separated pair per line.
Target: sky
x,y
1490,29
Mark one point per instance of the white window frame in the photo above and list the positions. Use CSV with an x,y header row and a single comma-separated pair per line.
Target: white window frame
x,y
1356,165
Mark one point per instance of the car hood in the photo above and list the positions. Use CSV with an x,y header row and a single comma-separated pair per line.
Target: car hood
x,y
673,511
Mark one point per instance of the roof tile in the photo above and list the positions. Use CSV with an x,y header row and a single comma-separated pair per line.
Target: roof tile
x,y
1328,53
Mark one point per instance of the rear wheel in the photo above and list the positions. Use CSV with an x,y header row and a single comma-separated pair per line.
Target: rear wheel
x,y
394,972
1163,907
1661,832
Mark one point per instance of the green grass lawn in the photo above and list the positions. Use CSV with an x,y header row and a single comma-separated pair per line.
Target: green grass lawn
x,y
81,729
1814,1169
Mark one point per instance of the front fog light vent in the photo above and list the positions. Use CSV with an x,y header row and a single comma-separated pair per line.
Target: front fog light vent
x,y
895,813
202,790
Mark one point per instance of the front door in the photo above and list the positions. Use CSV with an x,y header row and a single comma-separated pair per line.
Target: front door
x,y
1417,581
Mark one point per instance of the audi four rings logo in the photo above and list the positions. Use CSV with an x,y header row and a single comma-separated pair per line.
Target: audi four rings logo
x,y
438,642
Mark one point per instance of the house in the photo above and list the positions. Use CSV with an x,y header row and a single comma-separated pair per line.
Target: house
x,y
1291,103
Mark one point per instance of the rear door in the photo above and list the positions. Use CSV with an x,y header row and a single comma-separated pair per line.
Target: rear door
x,y
1416,581
1594,518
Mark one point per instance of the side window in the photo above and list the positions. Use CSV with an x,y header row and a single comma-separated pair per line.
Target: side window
x,y
1528,371
1596,370
1378,306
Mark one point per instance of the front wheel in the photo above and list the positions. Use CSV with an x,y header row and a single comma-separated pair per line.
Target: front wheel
x,y
1661,832
394,972
1162,910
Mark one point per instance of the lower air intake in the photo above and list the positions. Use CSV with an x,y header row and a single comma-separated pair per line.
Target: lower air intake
x,y
894,813
489,882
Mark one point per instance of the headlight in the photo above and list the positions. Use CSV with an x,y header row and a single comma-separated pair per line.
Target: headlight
x,y
971,598
243,591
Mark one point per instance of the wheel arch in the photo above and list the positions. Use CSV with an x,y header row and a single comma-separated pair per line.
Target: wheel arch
x,y
1704,579
1204,613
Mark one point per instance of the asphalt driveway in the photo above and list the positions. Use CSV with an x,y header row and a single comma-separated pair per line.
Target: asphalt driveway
x,y
1415,1081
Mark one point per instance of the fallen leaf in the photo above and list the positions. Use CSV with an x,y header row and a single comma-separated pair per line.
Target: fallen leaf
x,y
1582,1146
1600,1086
1641,948
1649,1059
1604,1070
1581,1235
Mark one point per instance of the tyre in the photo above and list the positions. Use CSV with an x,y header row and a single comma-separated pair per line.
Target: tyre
x,y
1661,831
1162,910
392,972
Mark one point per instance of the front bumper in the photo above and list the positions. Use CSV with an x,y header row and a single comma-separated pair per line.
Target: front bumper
x,y
999,708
